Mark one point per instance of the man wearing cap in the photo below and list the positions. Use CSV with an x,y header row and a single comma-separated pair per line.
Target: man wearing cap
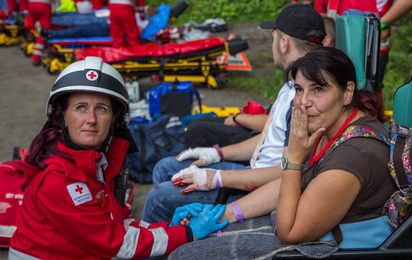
x,y
297,30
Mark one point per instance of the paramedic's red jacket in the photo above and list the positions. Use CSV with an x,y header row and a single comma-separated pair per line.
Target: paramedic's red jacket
x,y
68,214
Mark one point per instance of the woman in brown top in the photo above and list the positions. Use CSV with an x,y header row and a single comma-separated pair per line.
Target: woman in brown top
x,y
314,198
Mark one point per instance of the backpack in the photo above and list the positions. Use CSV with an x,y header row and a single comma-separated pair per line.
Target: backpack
x,y
172,98
399,206
11,178
157,140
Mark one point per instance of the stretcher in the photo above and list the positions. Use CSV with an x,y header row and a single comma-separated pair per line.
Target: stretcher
x,y
218,111
186,61
11,33
61,51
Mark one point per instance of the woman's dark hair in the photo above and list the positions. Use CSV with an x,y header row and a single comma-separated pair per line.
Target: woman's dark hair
x,y
44,144
340,69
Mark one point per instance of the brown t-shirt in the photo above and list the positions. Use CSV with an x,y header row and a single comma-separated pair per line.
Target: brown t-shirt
x,y
365,157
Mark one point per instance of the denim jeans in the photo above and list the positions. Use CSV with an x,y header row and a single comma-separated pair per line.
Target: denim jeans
x,y
100,29
164,198
76,19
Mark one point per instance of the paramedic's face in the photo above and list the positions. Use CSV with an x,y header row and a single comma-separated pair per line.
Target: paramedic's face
x,y
88,118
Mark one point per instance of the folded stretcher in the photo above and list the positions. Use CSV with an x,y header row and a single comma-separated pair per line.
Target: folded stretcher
x,y
194,61
11,33
60,50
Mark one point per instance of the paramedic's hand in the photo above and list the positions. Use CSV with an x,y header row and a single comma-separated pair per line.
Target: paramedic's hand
x,y
186,212
206,156
197,179
206,222
385,34
229,121
300,143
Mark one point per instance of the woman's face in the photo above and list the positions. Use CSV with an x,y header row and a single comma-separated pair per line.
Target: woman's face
x,y
325,105
88,118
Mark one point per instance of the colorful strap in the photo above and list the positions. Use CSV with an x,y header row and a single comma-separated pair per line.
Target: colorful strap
x,y
219,152
237,211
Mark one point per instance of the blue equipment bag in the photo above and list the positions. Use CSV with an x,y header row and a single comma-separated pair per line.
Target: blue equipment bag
x,y
157,140
172,98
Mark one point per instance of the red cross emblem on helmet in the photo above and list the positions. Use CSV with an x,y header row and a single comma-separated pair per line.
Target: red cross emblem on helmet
x,y
92,75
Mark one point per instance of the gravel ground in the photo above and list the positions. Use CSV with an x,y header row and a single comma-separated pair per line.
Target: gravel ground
x,y
25,89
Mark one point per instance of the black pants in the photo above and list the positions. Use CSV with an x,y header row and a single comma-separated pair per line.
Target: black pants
x,y
208,131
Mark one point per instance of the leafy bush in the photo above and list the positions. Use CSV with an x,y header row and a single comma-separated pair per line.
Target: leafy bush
x,y
232,11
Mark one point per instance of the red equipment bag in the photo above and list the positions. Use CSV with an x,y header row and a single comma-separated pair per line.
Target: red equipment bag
x,y
12,175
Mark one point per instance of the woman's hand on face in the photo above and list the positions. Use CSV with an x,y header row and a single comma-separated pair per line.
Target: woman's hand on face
x,y
300,143
197,179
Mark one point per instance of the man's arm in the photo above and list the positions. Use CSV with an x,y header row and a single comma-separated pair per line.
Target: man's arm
x,y
252,122
397,11
263,200
242,151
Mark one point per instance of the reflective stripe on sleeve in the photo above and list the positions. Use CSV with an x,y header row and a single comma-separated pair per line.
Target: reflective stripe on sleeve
x,y
160,241
128,248
144,224
17,255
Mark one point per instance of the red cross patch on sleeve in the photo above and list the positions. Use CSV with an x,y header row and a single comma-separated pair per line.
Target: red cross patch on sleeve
x,y
79,192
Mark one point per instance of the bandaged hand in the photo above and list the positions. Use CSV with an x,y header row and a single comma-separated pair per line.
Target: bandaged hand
x,y
187,211
197,179
206,156
207,221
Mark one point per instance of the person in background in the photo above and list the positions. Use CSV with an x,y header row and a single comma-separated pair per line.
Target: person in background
x,y
40,12
123,22
71,207
380,7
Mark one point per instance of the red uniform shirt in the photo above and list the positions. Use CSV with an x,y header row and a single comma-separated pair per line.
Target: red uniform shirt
x,y
67,213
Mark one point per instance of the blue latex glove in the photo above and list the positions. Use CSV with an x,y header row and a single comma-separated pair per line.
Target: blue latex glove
x,y
206,222
182,212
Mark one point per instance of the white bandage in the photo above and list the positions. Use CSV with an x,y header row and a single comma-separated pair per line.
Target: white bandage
x,y
217,180
209,155
200,179
189,170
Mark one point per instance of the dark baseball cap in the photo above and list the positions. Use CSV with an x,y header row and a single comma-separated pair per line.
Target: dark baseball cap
x,y
297,20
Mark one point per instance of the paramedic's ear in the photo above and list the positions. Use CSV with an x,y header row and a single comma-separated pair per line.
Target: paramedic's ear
x,y
326,41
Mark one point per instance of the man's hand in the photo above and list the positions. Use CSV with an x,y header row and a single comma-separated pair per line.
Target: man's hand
x,y
197,179
206,156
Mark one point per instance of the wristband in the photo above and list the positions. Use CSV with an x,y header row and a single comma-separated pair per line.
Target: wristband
x,y
217,180
237,211
383,26
219,151
219,232
234,118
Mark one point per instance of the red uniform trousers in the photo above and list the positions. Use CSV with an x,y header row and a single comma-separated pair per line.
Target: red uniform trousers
x,y
123,20
140,9
40,12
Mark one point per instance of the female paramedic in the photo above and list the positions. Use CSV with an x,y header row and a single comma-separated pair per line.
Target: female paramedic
x,y
70,208
326,184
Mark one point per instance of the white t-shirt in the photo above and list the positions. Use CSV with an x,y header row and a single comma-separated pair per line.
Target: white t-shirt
x,y
269,151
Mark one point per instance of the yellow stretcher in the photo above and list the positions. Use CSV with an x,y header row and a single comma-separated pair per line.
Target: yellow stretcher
x,y
219,111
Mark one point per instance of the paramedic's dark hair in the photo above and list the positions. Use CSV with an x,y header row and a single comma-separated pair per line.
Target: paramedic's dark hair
x,y
340,69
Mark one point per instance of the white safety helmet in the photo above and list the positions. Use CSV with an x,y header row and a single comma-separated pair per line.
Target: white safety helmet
x,y
91,74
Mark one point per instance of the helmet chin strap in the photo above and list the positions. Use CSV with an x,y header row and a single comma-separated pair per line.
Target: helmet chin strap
x,y
74,146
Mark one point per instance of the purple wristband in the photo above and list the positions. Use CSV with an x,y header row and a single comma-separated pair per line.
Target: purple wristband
x,y
219,232
237,211
217,181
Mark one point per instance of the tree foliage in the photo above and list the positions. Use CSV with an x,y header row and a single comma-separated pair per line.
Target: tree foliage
x,y
232,11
